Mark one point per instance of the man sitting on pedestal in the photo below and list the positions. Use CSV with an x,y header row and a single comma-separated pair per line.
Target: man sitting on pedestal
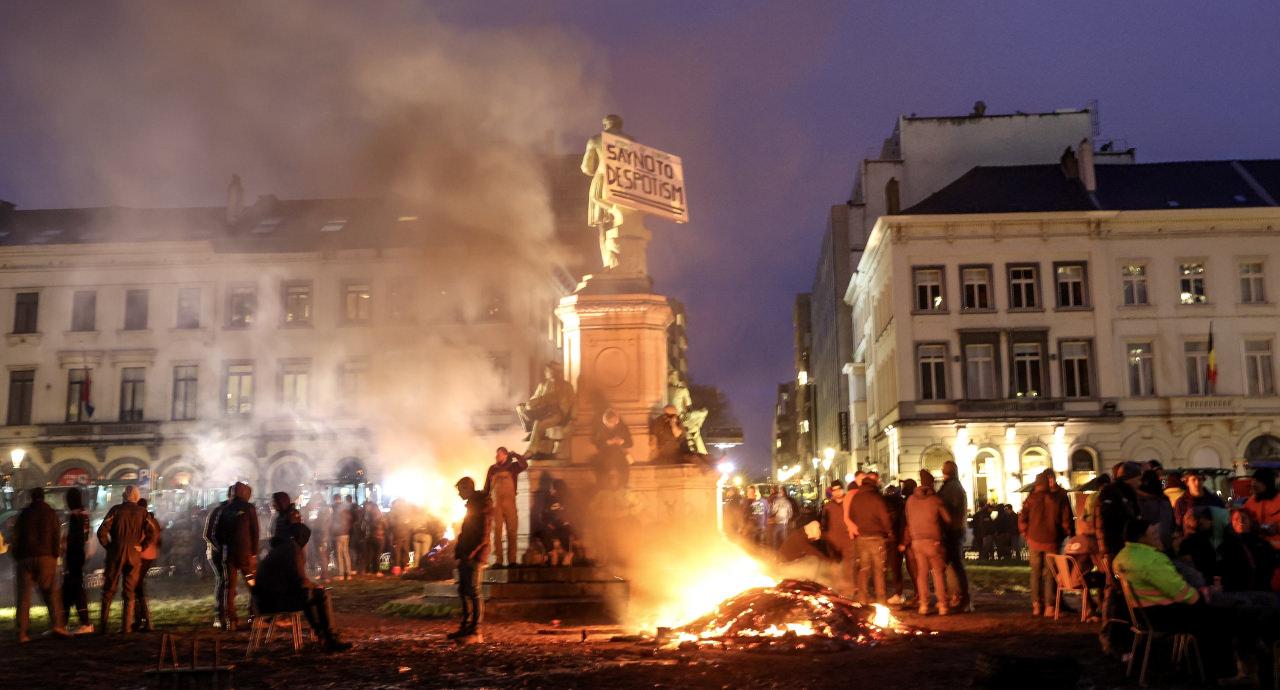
x,y
670,438
549,407
282,585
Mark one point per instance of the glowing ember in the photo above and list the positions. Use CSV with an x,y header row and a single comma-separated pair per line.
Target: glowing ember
x,y
793,611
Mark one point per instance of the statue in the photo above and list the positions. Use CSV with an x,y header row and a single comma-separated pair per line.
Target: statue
x,y
546,412
601,214
692,419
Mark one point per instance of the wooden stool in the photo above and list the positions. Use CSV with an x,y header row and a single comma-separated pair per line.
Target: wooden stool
x,y
264,623
173,675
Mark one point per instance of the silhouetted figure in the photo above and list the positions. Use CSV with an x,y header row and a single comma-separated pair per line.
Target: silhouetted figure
x,y
213,553
472,552
282,584
148,556
73,592
125,533
35,548
238,535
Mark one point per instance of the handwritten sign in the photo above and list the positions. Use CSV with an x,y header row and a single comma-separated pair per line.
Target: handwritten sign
x,y
643,178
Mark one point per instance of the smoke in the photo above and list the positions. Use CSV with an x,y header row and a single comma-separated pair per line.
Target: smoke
x,y
157,104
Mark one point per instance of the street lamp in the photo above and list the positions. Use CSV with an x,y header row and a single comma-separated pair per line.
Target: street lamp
x,y
16,456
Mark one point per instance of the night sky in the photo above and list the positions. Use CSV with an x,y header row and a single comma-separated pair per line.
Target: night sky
x,y
771,106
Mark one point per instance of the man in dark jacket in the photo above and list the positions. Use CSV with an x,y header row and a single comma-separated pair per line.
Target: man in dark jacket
x,y
927,523
125,532
1045,522
1117,507
37,540
836,534
238,535
896,504
472,552
500,486
956,500
869,513
213,553
73,592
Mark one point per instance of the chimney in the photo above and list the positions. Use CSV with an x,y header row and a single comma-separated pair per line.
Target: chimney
x,y
1087,175
1070,166
235,200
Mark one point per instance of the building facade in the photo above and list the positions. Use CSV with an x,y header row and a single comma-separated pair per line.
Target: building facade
x,y
279,343
1071,316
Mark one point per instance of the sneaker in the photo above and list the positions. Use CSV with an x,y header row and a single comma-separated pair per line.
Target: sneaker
x,y
1048,612
86,629
944,611
923,610
895,600
57,632
1035,610
457,634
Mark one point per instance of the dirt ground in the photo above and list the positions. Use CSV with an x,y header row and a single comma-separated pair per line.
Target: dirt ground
x,y
392,652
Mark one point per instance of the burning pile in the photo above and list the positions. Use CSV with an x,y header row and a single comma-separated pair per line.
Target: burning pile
x,y
793,614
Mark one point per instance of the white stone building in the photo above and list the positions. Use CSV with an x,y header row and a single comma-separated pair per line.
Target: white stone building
x,y
1035,316
269,343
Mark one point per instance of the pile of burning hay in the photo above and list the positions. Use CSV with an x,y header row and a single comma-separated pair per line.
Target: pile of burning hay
x,y
793,614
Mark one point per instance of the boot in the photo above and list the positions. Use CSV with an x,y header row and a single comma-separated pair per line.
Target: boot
x,y
105,615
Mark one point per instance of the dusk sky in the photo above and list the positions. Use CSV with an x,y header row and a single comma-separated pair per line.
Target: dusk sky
x,y
770,104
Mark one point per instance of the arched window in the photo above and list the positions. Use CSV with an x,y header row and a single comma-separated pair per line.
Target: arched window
x,y
892,201
1265,448
1205,456
933,458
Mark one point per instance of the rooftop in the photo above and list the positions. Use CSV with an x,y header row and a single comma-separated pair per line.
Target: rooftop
x,y
1144,186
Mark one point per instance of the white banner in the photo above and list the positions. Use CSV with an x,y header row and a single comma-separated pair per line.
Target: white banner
x,y
644,178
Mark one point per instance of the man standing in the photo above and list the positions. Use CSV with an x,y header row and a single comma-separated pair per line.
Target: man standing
x,y
1117,507
36,541
142,608
870,514
500,486
238,535
927,521
340,537
125,532
957,501
836,534
213,553
472,551
1045,522
73,593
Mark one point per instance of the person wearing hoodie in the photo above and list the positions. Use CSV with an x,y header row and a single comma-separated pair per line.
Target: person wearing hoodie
x,y
1197,496
956,499
35,549
1045,522
928,521
1154,507
1174,489
870,515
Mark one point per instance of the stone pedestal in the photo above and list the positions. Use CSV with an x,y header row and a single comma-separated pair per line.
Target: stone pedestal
x,y
615,356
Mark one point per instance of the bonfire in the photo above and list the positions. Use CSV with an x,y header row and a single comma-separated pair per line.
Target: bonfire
x,y
792,614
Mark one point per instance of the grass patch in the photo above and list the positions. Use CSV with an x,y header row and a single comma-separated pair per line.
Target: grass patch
x,y
407,608
999,579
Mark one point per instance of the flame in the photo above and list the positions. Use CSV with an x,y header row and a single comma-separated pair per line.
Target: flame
x,y
883,619
720,574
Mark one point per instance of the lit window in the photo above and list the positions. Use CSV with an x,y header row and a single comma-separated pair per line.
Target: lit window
x,y
1191,284
1141,370
297,304
1027,373
1133,277
238,393
1071,285
928,284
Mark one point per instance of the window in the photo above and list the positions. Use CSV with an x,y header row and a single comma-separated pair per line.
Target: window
x,y
500,363
493,304
1133,279
975,288
1191,284
84,307
1196,356
358,303
1259,367
238,393
242,306
892,197
295,384
928,282
79,407
26,307
22,387
1251,283
351,385
189,308
135,310
186,388
132,393
1024,287
980,371
1074,355
297,304
932,366
1072,289
1141,370
1027,370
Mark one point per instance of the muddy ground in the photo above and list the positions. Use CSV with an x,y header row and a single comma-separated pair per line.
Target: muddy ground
x,y
393,652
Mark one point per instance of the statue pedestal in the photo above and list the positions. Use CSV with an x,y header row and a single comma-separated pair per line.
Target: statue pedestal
x,y
615,348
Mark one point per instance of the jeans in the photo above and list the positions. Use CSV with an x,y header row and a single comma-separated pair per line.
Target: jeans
x,y
214,555
469,593
871,561
1044,588
421,545
40,572
126,568
73,593
931,560
342,554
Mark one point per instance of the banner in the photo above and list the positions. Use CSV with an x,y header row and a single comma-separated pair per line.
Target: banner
x,y
643,178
